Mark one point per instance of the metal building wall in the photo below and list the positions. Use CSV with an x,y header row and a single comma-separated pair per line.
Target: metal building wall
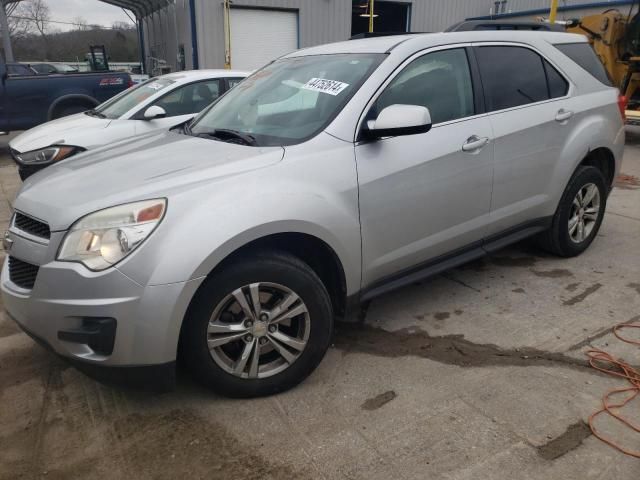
x,y
436,15
165,30
515,6
320,21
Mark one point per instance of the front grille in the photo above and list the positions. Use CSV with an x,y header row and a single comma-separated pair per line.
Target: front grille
x,y
22,273
32,226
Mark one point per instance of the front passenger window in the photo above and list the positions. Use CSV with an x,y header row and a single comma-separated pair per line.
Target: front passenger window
x,y
440,81
191,98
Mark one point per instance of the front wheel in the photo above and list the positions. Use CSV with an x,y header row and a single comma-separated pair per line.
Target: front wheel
x,y
579,215
258,326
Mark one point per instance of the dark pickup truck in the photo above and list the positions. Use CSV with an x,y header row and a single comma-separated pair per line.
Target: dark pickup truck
x,y
29,100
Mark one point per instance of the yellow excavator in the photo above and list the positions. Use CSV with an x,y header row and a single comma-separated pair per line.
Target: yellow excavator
x,y
615,37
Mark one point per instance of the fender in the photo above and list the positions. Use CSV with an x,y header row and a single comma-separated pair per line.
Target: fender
x,y
580,142
69,98
204,225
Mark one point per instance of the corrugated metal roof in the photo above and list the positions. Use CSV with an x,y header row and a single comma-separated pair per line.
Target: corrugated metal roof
x,y
141,8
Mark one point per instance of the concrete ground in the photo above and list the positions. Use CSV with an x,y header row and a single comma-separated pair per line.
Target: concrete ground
x,y
477,374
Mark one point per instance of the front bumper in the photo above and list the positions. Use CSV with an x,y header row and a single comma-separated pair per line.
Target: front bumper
x,y
66,297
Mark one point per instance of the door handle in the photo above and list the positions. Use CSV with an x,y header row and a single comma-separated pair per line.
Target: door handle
x,y
474,143
563,115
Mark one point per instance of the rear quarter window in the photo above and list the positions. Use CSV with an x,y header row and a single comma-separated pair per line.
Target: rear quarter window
x,y
583,55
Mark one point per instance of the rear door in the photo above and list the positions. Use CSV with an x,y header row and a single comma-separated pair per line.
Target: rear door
x,y
530,112
423,196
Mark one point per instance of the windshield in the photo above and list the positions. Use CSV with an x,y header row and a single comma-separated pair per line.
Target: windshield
x,y
121,104
288,101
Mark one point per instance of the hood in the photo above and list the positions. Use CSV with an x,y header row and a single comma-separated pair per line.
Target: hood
x,y
154,166
59,132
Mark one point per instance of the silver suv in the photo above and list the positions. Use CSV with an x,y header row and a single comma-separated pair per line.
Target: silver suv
x,y
331,176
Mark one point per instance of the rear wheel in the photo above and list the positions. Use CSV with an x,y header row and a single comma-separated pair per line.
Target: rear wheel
x,y
579,214
257,327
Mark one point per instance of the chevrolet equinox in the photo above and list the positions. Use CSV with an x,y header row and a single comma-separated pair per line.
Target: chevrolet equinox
x,y
332,175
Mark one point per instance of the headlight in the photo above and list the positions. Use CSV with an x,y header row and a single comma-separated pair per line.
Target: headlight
x,y
47,155
103,238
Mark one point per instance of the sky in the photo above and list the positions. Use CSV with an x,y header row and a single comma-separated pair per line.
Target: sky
x,y
94,11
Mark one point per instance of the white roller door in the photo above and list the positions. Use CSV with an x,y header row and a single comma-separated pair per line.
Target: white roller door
x,y
258,36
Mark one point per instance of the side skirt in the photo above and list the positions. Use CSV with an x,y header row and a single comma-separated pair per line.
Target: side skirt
x,y
453,259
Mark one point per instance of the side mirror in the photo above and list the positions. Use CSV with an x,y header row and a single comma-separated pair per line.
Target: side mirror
x,y
154,112
397,120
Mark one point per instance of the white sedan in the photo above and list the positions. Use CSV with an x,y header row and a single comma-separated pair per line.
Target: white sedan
x,y
159,103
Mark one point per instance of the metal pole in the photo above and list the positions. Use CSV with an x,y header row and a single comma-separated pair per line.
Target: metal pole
x,y
6,39
553,12
227,34
371,2
195,63
143,58
175,29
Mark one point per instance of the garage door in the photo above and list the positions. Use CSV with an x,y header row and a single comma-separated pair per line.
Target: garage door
x,y
259,36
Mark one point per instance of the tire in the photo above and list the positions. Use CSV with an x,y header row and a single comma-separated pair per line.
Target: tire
x,y
69,110
560,239
278,275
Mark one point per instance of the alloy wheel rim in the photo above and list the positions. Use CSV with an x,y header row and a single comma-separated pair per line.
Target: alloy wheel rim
x,y
258,330
584,213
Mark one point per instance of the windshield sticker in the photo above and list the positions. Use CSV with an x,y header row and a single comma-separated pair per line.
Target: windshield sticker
x,y
332,87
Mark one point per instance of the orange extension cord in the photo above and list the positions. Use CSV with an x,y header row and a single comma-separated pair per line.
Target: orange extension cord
x,y
605,362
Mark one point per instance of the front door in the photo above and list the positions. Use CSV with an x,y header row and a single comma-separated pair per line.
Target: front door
x,y
423,196
181,104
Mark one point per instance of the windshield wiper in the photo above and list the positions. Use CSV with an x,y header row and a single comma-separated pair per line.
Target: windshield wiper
x,y
95,113
230,136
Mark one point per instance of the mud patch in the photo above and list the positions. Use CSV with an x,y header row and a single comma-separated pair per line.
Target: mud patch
x,y
572,287
447,349
8,327
571,439
150,446
627,182
378,401
581,297
441,315
555,273
513,261
589,339
635,286
24,363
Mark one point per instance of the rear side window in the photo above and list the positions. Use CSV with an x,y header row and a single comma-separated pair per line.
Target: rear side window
x,y
583,55
511,76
